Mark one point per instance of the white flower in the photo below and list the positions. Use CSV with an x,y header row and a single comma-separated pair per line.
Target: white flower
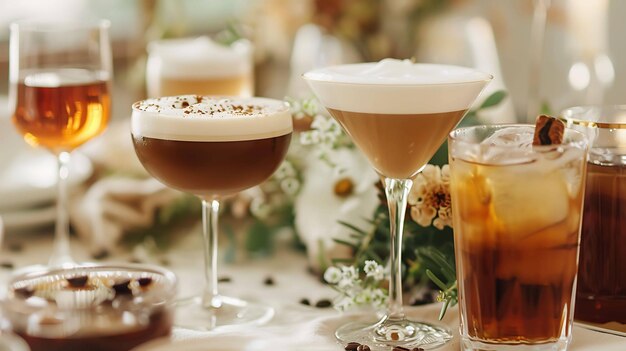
x,y
285,170
343,304
349,273
290,186
430,197
373,270
318,207
332,275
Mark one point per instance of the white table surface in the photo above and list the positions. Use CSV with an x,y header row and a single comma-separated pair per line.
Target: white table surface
x,y
289,271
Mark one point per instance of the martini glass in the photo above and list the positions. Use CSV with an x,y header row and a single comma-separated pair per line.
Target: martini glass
x,y
398,113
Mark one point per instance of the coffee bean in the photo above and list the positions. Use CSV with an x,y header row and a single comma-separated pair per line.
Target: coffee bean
x,y
352,346
224,279
269,281
24,293
417,349
15,247
122,288
7,265
400,348
323,303
144,281
78,281
363,348
305,301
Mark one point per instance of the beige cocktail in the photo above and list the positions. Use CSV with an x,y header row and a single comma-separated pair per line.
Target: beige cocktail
x,y
398,113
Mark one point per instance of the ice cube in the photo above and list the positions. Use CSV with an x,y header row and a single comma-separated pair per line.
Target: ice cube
x,y
510,145
526,198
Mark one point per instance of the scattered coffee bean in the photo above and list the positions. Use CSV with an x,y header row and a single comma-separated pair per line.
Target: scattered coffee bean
x,y
269,281
352,346
15,247
305,301
224,279
24,293
323,303
78,281
417,349
122,288
7,265
100,255
145,281
400,348
363,348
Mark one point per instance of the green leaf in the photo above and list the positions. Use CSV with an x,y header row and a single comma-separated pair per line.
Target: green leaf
x,y
353,227
436,280
493,100
344,242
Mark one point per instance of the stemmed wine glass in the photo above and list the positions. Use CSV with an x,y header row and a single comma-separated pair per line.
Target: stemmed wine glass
x,y
398,113
60,97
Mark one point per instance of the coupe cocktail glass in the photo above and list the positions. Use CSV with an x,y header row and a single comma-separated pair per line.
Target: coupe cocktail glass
x,y
398,113
211,148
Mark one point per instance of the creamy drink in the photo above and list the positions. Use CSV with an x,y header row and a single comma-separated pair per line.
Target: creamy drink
x,y
397,144
398,113
212,147
199,66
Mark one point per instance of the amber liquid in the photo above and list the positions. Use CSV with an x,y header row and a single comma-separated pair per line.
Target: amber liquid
x,y
601,295
516,268
398,145
63,110
159,325
211,168
240,85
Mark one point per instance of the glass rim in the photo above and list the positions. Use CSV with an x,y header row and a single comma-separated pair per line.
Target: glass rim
x,y
574,115
51,26
18,304
580,140
486,77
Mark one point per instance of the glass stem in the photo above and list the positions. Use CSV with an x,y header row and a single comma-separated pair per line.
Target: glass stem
x,y
210,212
61,248
397,191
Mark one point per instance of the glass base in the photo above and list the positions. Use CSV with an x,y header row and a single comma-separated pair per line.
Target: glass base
x,y
232,313
390,333
473,345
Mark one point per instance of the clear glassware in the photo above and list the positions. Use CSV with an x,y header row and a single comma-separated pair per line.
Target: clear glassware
x,y
601,291
212,147
517,210
102,307
60,96
398,113
199,66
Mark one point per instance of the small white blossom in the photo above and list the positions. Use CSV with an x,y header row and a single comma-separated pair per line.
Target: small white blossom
x,y
373,270
343,304
290,186
285,170
259,208
332,275
350,273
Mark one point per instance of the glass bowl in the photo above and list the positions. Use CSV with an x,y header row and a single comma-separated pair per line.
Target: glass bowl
x,y
95,308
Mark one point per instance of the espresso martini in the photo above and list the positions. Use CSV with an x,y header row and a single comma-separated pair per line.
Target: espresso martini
x,y
212,147
398,113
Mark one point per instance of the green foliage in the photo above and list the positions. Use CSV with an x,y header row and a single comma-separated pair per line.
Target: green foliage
x,y
183,211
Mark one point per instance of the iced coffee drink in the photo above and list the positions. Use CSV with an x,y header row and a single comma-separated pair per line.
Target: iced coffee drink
x,y
517,212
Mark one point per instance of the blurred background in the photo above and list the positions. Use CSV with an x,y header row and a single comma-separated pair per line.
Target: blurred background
x,y
544,53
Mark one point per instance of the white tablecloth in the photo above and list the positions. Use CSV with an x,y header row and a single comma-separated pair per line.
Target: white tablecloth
x,y
293,321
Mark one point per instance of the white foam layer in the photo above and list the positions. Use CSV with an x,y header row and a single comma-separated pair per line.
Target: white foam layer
x,y
199,58
397,87
203,118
